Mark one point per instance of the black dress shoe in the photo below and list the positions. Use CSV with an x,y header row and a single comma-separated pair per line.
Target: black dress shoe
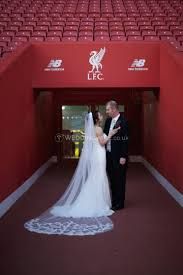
x,y
117,207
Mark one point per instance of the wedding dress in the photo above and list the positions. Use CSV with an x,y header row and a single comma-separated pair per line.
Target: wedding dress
x,y
84,207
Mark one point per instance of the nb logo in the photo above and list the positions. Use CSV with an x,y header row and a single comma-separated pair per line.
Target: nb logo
x,y
138,63
55,63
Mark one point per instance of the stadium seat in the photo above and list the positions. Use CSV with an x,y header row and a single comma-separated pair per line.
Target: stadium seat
x,y
135,38
118,38
102,38
36,39
151,38
69,39
52,39
85,38
80,20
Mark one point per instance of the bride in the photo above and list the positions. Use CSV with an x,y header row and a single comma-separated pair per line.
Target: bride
x,y
84,207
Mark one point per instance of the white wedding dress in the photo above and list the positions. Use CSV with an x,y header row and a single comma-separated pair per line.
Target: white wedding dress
x,y
84,207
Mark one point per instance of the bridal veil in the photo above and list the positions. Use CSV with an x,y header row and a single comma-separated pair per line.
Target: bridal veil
x,y
54,221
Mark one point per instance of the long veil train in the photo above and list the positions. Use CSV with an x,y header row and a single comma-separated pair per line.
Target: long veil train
x,y
56,219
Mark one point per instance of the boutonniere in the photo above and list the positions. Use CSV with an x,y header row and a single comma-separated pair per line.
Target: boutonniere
x,y
118,123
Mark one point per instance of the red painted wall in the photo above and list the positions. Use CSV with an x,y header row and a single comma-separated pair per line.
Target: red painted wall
x,y
116,62
25,121
163,125
27,118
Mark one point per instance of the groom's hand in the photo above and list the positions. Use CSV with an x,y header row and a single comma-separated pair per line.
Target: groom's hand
x,y
122,161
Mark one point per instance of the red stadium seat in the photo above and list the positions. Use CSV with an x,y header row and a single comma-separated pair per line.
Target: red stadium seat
x,y
52,39
101,33
146,28
4,54
15,44
101,28
8,33
56,28
5,39
29,23
118,38
86,28
102,38
61,20
58,23
39,34
116,28
20,38
131,28
151,38
41,28
85,38
11,28
117,33
71,28
133,33
144,23
135,38
54,34
87,24
115,19
69,39
23,33
3,44
70,34
168,38
180,38
72,23
73,20
164,33
177,33
88,19
148,33
86,33
36,39
101,20
161,28
130,23
43,23
25,28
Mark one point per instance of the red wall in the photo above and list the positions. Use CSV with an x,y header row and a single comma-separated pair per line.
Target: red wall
x,y
25,121
116,62
163,125
27,118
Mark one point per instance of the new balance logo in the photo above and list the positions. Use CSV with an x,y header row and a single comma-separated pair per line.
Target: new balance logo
x,y
54,65
138,65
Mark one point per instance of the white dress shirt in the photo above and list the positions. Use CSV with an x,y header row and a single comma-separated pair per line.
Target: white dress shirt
x,y
113,122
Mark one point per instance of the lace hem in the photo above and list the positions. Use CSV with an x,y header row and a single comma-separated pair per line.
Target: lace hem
x,y
68,226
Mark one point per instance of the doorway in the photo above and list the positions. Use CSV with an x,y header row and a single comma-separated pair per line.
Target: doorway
x,y
72,127
77,102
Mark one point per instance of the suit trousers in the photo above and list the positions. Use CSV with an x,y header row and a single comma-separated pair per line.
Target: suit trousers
x,y
117,177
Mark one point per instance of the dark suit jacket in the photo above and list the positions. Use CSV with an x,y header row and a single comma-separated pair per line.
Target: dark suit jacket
x,y
119,142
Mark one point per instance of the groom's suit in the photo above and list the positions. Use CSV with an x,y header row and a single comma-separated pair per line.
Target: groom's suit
x,y
118,149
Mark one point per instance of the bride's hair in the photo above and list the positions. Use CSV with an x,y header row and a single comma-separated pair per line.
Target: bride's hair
x,y
95,115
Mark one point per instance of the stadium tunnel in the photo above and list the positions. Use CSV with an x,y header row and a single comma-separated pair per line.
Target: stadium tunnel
x,y
39,82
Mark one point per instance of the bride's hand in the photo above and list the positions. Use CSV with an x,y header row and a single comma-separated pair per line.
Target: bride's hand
x,y
113,131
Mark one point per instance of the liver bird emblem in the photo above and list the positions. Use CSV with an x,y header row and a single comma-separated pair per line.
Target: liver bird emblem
x,y
95,60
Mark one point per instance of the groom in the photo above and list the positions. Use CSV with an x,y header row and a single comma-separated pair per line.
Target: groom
x,y
116,154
